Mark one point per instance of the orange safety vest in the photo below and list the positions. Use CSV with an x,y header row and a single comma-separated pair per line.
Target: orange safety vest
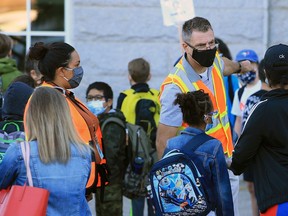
x,y
221,128
83,131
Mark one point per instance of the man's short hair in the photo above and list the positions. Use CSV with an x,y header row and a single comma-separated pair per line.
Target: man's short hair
x,y
195,24
5,45
139,70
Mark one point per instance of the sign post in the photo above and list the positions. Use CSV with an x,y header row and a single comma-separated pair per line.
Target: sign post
x,y
175,12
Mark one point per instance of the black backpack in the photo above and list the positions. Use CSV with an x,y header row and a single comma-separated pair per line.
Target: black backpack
x,y
240,92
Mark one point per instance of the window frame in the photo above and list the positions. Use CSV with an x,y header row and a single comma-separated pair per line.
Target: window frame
x,y
28,33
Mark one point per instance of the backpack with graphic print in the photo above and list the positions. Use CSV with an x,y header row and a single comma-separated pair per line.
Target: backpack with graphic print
x,y
177,186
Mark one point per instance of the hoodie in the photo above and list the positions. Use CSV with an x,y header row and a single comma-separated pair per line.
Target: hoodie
x,y
8,72
263,146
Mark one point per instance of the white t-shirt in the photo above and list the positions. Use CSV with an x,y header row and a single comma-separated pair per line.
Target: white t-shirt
x,y
239,106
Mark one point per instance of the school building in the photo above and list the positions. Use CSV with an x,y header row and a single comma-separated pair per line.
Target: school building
x,y
109,33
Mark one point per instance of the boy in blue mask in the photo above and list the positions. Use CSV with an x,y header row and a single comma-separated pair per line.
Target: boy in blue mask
x,y
99,96
250,84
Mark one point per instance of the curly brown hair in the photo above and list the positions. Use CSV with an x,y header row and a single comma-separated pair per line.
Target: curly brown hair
x,y
194,105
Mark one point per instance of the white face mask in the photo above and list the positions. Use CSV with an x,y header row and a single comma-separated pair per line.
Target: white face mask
x,y
96,107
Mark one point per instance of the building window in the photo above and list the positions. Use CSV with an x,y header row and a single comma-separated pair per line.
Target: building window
x,y
29,21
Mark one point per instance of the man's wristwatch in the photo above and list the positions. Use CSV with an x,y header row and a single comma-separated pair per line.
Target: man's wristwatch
x,y
240,68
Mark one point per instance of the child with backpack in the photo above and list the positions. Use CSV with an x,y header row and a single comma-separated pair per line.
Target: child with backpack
x,y
12,126
140,105
198,182
99,98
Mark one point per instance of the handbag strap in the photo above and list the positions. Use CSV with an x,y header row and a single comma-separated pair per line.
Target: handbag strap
x,y
25,148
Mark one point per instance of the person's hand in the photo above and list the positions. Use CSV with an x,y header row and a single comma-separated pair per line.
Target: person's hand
x,y
228,161
89,197
246,66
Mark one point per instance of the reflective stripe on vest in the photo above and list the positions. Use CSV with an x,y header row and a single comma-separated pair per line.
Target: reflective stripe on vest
x,y
221,127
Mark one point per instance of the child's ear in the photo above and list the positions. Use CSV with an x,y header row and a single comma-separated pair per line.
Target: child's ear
x,y
130,78
10,54
207,119
109,102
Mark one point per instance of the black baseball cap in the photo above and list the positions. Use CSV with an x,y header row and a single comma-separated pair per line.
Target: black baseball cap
x,y
276,58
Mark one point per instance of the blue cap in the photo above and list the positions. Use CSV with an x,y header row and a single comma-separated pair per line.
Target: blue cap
x,y
247,54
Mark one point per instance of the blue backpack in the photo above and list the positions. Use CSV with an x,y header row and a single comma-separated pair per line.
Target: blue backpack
x,y
177,186
7,138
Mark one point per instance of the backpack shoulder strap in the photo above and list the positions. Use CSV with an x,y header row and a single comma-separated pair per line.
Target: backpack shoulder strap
x,y
240,92
15,123
113,119
154,91
197,141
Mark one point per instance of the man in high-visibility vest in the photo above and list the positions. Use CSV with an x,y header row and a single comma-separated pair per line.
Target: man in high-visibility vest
x,y
199,68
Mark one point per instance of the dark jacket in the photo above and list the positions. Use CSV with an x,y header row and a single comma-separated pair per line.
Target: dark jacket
x,y
114,144
263,145
15,99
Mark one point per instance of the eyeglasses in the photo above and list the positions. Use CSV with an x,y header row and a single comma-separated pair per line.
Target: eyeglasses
x,y
203,47
95,97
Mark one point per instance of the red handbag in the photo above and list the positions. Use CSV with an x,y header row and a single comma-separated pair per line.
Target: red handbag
x,y
24,200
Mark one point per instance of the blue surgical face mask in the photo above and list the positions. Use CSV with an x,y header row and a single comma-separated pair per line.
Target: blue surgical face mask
x,y
247,77
96,107
77,76
212,116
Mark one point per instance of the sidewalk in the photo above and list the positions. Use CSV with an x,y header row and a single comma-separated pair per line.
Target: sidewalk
x,y
244,202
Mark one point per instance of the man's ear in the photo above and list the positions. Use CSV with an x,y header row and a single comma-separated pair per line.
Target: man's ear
x,y
185,47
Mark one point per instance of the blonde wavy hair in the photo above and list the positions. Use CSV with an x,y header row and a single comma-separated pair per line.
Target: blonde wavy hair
x,y
48,120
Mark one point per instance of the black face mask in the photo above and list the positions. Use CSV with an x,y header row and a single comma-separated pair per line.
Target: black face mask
x,y
204,57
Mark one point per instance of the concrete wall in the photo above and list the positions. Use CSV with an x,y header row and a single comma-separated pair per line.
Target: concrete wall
x,y
109,33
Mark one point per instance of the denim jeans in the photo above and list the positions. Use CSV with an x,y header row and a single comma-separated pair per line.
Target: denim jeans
x,y
138,206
